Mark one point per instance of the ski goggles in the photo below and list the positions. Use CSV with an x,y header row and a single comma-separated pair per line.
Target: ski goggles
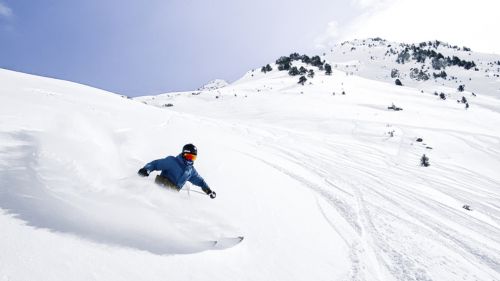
x,y
190,156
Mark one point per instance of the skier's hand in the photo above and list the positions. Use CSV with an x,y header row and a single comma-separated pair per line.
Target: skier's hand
x,y
212,194
143,172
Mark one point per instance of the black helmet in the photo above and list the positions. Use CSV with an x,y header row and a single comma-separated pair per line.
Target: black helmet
x,y
190,148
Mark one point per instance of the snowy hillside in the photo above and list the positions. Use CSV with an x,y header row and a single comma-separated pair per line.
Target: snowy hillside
x,y
429,66
322,179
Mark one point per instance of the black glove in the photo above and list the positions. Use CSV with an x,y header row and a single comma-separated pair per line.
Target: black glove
x,y
209,192
143,172
212,194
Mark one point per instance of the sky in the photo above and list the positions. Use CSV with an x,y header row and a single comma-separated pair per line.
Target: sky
x,y
151,47
459,22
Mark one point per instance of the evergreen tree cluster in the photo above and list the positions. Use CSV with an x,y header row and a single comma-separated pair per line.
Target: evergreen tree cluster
x,y
403,57
441,74
462,63
419,54
394,73
316,61
418,75
266,68
285,63
438,63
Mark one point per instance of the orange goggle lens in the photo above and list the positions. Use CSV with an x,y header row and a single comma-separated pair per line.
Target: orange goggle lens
x,y
190,156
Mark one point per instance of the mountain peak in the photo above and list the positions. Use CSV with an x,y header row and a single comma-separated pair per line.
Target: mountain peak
x,y
214,85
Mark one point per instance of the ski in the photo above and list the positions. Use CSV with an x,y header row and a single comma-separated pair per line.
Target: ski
x,y
226,242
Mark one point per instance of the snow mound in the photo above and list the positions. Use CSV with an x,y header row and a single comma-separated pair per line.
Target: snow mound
x,y
213,85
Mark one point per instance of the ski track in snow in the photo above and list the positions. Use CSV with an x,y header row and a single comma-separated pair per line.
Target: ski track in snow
x,y
374,235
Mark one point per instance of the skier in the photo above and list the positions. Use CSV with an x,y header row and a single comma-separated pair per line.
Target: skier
x,y
175,171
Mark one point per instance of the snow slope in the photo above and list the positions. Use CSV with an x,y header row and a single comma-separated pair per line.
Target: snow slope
x,y
376,59
313,179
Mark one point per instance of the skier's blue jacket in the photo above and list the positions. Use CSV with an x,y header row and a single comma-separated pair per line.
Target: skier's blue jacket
x,y
178,171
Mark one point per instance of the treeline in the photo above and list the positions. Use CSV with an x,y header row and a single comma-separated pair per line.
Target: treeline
x,y
285,63
438,60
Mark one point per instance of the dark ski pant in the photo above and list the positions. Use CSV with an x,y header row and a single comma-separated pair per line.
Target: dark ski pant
x,y
164,182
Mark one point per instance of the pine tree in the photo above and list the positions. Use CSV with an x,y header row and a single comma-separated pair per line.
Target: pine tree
x,y
293,71
316,61
394,73
306,59
302,80
328,69
424,161
284,63
294,56
302,70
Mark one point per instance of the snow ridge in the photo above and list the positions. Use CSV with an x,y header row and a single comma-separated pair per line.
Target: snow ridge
x,y
214,85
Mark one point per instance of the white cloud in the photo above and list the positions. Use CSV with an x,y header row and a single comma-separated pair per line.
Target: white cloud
x,y
471,23
364,4
5,11
331,34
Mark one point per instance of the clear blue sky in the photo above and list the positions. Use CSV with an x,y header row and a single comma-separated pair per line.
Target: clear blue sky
x,y
150,47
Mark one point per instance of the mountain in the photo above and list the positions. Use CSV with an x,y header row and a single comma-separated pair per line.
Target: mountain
x,y
428,65
323,179
432,67
213,85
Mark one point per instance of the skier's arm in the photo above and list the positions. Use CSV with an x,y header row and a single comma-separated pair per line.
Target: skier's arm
x,y
196,179
151,166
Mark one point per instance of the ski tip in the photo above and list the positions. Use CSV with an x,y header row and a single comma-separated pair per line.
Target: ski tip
x,y
227,242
